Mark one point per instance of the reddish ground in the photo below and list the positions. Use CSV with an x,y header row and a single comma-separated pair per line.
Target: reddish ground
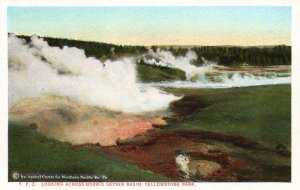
x,y
157,151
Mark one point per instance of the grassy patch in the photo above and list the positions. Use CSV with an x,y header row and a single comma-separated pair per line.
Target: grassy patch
x,y
32,152
259,113
154,73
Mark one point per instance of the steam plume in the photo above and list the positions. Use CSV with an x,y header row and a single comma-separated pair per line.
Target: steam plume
x,y
167,59
37,68
210,75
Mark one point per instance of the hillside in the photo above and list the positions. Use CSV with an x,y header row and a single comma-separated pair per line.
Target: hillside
x,y
154,73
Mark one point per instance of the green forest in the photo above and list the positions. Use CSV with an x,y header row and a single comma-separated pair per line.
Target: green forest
x,y
223,55
237,55
258,56
102,51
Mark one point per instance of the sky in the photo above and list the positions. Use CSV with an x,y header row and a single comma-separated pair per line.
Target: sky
x,y
214,25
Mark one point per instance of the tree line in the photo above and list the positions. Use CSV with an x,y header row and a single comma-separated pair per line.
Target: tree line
x,y
98,50
223,55
235,56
